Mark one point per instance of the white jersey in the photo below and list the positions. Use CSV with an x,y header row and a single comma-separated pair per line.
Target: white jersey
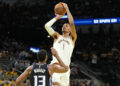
x,y
64,47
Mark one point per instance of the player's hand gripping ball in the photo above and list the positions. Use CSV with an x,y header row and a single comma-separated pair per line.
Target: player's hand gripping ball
x,y
59,9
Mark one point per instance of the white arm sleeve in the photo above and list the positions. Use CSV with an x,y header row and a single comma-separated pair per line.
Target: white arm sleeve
x,y
48,27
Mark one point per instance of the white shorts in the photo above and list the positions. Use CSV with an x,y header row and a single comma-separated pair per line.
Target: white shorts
x,y
62,78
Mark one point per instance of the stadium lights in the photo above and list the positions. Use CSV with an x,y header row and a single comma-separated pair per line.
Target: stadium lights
x,y
34,49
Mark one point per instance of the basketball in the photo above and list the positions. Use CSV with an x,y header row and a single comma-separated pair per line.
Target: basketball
x,y
59,9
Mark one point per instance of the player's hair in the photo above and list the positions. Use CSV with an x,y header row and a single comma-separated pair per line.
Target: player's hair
x,y
42,55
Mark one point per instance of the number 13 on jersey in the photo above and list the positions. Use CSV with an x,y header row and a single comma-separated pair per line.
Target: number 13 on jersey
x,y
39,80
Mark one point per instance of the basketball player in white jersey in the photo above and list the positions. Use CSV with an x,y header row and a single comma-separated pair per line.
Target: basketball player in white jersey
x,y
64,44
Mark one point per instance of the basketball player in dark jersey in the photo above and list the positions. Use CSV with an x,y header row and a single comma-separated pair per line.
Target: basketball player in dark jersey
x,y
41,72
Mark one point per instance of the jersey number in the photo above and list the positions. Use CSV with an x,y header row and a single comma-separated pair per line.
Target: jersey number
x,y
36,80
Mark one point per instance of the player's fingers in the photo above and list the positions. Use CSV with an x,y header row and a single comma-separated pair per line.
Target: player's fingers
x,y
59,15
64,3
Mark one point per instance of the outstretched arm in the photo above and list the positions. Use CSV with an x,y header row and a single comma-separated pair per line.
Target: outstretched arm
x,y
48,26
71,22
23,76
60,67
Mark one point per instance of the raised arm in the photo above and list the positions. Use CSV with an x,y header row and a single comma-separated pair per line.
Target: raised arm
x,y
49,29
60,67
23,76
71,22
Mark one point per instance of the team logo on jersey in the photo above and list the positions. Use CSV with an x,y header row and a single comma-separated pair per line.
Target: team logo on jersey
x,y
64,41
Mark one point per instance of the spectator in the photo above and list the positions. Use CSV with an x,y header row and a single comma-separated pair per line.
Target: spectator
x,y
85,82
94,59
7,83
91,83
98,84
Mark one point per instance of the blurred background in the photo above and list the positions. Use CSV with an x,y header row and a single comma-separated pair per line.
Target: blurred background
x,y
96,57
